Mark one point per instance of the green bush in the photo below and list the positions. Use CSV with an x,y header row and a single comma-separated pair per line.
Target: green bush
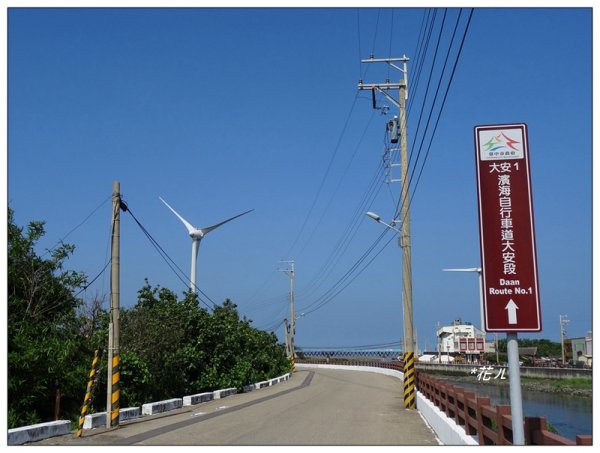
x,y
169,347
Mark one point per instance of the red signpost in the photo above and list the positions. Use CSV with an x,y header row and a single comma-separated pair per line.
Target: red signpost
x,y
506,230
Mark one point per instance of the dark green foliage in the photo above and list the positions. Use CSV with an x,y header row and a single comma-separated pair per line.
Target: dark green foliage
x,y
45,351
546,348
181,349
168,347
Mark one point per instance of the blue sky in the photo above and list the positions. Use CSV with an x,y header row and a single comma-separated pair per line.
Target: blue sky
x,y
223,110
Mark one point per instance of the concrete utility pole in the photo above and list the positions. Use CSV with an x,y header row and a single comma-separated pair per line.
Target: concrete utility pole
x,y
113,390
439,346
563,322
404,239
292,330
496,347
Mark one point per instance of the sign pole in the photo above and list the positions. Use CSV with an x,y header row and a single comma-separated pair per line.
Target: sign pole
x,y
516,401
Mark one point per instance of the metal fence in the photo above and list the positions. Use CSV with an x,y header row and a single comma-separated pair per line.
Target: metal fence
x,y
491,424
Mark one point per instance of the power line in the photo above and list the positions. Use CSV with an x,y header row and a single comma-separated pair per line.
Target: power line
x,y
335,150
355,270
419,61
425,96
326,297
350,231
344,174
390,46
439,113
358,36
444,100
93,280
61,241
332,296
353,273
168,259
376,29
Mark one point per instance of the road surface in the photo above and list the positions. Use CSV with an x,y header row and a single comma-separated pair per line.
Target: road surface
x,y
315,407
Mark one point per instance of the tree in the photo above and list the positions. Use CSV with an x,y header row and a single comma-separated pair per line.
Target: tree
x,y
169,347
545,348
160,332
187,350
45,351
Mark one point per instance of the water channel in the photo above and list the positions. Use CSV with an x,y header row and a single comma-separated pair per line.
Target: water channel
x,y
569,415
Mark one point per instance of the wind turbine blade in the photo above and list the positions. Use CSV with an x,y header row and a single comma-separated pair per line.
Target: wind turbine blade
x,y
210,228
189,227
472,269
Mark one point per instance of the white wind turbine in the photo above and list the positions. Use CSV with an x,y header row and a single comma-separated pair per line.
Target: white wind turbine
x,y
197,234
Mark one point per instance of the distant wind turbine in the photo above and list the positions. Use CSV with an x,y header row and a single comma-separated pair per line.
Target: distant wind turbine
x,y
197,234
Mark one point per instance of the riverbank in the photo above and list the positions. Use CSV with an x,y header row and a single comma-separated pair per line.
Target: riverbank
x,y
572,387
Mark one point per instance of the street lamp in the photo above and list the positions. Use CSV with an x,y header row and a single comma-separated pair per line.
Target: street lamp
x,y
378,220
409,338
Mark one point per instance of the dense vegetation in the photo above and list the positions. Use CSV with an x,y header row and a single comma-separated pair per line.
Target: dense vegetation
x,y
545,348
170,347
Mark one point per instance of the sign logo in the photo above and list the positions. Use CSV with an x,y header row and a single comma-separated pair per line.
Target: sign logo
x,y
501,144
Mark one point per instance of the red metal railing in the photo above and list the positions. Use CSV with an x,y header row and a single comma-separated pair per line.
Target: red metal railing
x,y
491,424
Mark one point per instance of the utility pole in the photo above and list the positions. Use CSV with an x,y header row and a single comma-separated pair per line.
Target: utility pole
x,y
563,322
292,328
113,389
497,352
404,239
439,346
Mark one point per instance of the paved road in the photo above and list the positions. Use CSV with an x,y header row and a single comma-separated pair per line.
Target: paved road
x,y
315,407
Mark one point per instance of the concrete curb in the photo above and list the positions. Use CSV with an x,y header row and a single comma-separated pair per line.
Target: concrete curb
x,y
192,400
41,431
162,406
218,394
447,431
98,419
33,433
269,383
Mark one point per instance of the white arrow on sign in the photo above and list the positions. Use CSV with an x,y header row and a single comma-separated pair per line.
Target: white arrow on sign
x,y
512,311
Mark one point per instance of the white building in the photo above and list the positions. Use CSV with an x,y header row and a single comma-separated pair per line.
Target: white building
x,y
462,339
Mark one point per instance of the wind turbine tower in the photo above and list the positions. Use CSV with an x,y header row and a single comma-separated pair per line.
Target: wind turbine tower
x,y
197,234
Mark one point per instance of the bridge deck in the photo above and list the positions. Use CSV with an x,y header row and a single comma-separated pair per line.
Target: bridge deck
x,y
315,407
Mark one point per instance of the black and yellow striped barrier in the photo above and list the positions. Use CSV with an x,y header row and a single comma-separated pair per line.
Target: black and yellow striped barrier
x,y
116,392
87,400
409,381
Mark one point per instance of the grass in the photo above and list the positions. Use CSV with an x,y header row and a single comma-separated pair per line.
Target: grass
x,y
572,383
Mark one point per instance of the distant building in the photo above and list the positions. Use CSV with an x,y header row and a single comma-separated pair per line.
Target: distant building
x,y
461,339
579,350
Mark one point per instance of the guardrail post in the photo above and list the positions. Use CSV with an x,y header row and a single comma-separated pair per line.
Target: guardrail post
x,y
459,395
482,401
501,410
450,401
533,428
583,440
469,428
